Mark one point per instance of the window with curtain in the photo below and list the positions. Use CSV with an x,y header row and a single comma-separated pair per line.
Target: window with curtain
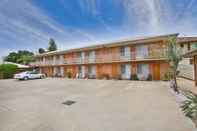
x,y
122,51
142,71
123,69
141,51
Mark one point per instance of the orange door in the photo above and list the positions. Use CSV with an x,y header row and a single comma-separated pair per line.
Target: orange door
x,y
50,69
114,70
156,71
98,71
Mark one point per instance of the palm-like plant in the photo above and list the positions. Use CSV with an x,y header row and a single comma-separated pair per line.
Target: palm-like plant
x,y
174,57
189,106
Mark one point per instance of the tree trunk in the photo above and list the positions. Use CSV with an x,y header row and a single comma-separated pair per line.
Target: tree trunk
x,y
195,122
175,83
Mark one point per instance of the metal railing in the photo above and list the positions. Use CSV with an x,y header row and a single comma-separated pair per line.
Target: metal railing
x,y
48,62
107,58
131,56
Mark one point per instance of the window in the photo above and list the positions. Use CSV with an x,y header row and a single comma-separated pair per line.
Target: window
x,y
81,54
139,68
182,45
142,71
33,72
142,51
81,57
122,51
91,56
57,57
123,69
90,70
80,69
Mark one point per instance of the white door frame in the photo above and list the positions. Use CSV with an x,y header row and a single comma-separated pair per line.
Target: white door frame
x,y
127,73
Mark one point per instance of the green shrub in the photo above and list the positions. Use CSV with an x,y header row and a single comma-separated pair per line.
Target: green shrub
x,y
117,77
69,75
189,106
149,78
104,76
167,76
8,70
134,77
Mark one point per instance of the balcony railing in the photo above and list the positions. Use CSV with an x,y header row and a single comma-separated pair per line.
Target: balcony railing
x,y
107,58
48,62
131,56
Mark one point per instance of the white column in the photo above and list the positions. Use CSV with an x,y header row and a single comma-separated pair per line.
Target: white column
x,y
54,71
61,60
94,70
91,57
62,71
83,71
82,57
44,61
40,70
128,71
54,60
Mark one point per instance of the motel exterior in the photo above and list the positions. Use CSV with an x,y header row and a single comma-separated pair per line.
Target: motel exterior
x,y
144,58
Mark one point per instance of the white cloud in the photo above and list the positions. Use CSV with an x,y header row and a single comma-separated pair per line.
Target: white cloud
x,y
159,16
91,6
24,25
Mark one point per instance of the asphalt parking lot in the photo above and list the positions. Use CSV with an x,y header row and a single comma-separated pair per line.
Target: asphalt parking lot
x,y
100,105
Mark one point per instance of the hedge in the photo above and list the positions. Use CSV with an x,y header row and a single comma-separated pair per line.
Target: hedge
x,y
8,70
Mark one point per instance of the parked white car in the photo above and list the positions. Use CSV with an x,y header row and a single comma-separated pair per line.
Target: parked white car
x,y
28,75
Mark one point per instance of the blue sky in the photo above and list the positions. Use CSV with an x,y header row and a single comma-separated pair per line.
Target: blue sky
x,y
28,24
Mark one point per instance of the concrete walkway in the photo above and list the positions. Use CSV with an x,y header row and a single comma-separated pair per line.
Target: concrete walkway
x,y
186,84
101,105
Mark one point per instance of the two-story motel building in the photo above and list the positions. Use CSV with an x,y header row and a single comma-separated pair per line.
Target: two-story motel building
x,y
140,57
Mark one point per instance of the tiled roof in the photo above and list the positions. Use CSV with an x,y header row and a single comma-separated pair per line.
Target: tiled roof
x,y
124,42
191,53
187,39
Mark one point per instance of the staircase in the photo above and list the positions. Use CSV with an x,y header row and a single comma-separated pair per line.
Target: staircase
x,y
186,69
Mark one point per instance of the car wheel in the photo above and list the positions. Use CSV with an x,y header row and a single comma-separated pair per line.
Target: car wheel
x,y
26,78
41,77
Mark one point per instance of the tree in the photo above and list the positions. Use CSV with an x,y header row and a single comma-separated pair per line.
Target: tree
x,y
8,70
52,45
25,59
12,57
41,50
21,57
174,57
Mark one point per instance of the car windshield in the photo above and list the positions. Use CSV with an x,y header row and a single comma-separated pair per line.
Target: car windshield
x,y
26,72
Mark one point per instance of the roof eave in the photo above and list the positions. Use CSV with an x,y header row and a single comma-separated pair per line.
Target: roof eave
x,y
112,44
